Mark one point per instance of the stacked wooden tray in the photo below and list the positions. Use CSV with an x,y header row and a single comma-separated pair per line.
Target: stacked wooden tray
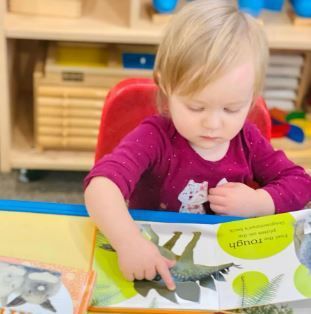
x,y
69,91
285,80
66,117
68,104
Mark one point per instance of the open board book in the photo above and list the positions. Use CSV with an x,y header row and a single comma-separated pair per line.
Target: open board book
x,y
45,263
40,288
243,263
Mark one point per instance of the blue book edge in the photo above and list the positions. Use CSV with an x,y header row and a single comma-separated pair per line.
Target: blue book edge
x,y
137,214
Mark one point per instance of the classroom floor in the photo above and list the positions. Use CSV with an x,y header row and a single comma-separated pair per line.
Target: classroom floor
x,y
50,186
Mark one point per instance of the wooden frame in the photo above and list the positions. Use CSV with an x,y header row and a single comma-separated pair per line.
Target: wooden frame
x,y
105,21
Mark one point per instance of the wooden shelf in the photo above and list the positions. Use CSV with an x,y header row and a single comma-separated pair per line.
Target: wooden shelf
x,y
300,153
103,21
83,29
23,154
105,25
282,34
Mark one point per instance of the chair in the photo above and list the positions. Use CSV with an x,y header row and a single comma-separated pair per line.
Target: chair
x,y
131,100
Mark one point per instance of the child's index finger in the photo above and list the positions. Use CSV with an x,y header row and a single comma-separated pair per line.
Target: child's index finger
x,y
166,276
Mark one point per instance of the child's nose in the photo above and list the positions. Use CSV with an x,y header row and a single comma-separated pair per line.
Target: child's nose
x,y
211,121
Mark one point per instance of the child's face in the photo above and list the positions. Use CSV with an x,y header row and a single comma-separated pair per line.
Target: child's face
x,y
216,114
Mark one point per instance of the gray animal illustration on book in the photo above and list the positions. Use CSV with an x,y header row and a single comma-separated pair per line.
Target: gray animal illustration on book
x,y
37,288
187,275
302,241
11,279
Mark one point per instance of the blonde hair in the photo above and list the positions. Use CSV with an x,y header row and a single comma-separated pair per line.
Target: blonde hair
x,y
203,40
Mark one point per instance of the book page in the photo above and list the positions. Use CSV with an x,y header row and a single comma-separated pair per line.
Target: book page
x,y
238,264
274,256
196,271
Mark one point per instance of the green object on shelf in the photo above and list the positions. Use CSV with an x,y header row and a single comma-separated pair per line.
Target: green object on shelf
x,y
295,115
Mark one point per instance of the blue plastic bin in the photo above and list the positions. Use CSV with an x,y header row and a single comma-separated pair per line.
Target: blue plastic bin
x,y
138,60
302,7
274,5
252,7
164,6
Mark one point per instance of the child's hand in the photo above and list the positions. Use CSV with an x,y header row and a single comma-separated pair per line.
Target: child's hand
x,y
238,199
141,259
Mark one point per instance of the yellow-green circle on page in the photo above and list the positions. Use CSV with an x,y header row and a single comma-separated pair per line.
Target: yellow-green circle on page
x,y
302,281
249,283
256,238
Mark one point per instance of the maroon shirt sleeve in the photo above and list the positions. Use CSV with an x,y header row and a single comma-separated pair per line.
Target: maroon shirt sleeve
x,y
287,183
139,150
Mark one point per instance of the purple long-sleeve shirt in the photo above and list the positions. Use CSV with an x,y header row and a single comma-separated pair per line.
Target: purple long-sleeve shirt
x,y
153,164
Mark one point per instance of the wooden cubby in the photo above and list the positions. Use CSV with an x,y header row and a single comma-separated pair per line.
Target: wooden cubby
x,y
103,21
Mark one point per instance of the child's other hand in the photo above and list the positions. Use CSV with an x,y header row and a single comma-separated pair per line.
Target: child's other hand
x,y
141,259
238,199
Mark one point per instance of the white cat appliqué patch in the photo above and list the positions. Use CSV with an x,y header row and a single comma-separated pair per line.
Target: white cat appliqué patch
x,y
192,197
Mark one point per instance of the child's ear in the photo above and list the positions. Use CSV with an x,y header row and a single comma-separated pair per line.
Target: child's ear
x,y
162,103
162,98
165,105
157,78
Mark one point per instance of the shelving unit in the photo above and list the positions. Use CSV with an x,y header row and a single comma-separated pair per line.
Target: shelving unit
x,y
104,21
298,152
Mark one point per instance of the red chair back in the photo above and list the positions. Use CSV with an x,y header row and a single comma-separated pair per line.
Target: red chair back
x,y
130,101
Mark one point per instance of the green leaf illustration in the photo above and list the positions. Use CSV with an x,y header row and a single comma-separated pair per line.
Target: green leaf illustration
x,y
264,295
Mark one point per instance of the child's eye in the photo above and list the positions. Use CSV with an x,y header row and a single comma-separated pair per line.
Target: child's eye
x,y
230,110
195,109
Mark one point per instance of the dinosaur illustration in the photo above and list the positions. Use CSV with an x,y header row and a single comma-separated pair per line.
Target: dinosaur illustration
x,y
187,275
